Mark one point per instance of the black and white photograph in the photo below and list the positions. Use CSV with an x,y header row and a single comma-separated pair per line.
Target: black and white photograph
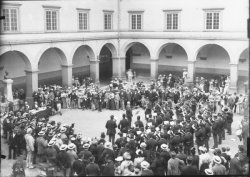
x,y
124,88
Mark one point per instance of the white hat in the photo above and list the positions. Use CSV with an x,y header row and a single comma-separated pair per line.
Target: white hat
x,y
51,143
217,159
202,148
71,146
145,165
138,152
157,129
108,145
143,145
63,147
164,146
41,133
63,129
86,146
119,158
209,171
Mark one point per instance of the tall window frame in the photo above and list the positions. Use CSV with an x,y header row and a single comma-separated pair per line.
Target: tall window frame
x,y
51,18
11,13
172,20
136,20
83,19
213,19
108,20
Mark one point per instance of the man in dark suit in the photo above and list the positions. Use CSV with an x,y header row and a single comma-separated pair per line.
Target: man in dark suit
x,y
111,126
129,113
79,166
13,143
235,166
124,124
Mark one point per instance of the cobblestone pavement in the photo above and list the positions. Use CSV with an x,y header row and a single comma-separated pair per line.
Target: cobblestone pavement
x,y
92,123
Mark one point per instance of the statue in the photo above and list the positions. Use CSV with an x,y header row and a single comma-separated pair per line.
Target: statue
x,y
6,75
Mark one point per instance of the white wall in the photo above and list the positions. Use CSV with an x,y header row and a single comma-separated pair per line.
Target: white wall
x,y
192,18
32,14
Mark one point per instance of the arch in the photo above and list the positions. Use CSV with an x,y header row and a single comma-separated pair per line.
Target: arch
x,y
22,55
77,46
106,62
111,47
173,58
63,58
210,44
212,60
81,61
167,44
129,44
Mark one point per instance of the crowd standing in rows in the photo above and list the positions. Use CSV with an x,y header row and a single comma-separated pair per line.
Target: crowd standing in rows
x,y
180,120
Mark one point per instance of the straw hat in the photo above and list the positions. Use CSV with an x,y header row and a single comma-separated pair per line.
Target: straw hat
x,y
217,159
164,146
41,133
63,147
145,165
51,143
108,145
138,152
209,171
71,146
143,145
63,130
86,146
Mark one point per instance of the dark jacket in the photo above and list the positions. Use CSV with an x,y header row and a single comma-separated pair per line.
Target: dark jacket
x,y
108,169
235,167
92,169
189,170
78,167
111,126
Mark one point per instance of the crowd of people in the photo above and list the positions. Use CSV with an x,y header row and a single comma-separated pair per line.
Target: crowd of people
x,y
180,120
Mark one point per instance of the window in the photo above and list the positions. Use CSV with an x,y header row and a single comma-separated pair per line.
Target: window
x,y
213,19
51,18
172,19
11,21
136,21
83,20
108,15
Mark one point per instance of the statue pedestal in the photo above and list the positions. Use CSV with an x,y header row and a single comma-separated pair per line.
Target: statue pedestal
x,y
7,83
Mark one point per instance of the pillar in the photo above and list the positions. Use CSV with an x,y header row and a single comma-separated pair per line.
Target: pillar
x,y
31,85
7,84
122,68
67,75
94,70
154,65
233,77
191,70
115,68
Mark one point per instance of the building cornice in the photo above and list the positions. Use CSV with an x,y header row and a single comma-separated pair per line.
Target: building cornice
x,y
51,7
11,4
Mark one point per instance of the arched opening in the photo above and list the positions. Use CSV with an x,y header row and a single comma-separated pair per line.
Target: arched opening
x,y
105,64
212,61
81,62
172,59
15,63
138,59
243,71
49,66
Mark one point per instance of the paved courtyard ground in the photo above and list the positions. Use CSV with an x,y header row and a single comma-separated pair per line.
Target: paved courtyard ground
x,y
92,123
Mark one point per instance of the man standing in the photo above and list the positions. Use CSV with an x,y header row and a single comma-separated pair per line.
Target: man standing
x,y
13,143
124,124
111,126
41,146
129,114
29,147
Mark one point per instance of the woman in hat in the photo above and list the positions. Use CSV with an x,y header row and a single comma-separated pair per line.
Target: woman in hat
x,y
127,165
217,167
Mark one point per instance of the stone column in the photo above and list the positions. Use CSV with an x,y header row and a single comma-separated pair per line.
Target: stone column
x,y
31,85
122,68
154,65
67,75
7,84
94,70
233,77
191,71
115,63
